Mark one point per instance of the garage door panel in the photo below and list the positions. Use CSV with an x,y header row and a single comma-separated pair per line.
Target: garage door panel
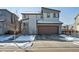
x,y
47,29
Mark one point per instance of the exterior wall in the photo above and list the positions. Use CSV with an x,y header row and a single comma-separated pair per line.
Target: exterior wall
x,y
60,30
32,19
25,27
50,18
26,17
32,24
2,30
38,17
77,23
12,22
7,17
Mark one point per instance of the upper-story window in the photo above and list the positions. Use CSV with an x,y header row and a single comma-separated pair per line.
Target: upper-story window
x,y
48,15
24,24
56,15
24,16
41,16
1,13
12,17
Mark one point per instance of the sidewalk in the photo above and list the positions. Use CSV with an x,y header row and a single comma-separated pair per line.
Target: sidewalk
x,y
54,46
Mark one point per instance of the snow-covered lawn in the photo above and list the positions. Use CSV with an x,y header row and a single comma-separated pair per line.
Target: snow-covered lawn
x,y
25,38
5,37
17,45
27,41
69,38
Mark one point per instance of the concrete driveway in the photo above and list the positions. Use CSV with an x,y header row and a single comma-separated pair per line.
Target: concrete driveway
x,y
49,37
61,37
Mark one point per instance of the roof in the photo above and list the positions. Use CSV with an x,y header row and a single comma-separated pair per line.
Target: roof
x,y
50,9
31,13
48,21
8,11
39,13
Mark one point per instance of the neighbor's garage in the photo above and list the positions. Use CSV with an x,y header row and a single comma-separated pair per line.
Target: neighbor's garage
x,y
44,29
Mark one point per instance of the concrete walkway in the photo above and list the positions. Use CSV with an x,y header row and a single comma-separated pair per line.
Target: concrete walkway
x,y
62,38
49,37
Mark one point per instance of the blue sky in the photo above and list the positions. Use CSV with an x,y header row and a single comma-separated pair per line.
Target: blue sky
x,y
66,16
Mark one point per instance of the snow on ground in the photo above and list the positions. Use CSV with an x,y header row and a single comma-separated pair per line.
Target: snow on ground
x,y
5,37
69,38
25,38
21,45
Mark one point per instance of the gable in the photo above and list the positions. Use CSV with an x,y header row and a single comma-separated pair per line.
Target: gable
x,y
47,10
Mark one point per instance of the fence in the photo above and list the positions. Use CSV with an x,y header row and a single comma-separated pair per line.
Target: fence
x,y
72,33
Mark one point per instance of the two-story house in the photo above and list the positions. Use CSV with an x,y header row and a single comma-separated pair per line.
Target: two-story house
x,y
46,22
8,21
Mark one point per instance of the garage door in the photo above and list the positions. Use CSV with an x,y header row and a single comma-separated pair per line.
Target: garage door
x,y
47,30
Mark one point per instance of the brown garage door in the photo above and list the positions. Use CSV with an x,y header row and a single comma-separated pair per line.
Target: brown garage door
x,y
47,30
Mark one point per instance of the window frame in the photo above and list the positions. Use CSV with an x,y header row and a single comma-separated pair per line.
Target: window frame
x,y
48,15
56,15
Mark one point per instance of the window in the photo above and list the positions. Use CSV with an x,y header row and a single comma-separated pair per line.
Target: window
x,y
12,19
64,26
56,15
24,16
41,16
24,24
1,13
48,15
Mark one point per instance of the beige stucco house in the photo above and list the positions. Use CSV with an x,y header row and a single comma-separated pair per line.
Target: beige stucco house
x,y
44,22
8,21
76,24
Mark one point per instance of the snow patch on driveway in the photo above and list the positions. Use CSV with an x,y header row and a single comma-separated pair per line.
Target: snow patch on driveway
x,y
69,38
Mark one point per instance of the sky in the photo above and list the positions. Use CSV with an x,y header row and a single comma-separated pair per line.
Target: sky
x,y
67,14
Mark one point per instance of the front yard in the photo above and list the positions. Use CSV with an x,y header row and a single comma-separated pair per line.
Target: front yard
x,y
8,43
39,43
6,37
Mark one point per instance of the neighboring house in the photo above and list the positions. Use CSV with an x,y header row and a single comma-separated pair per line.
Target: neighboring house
x,y
8,21
67,29
46,22
76,24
